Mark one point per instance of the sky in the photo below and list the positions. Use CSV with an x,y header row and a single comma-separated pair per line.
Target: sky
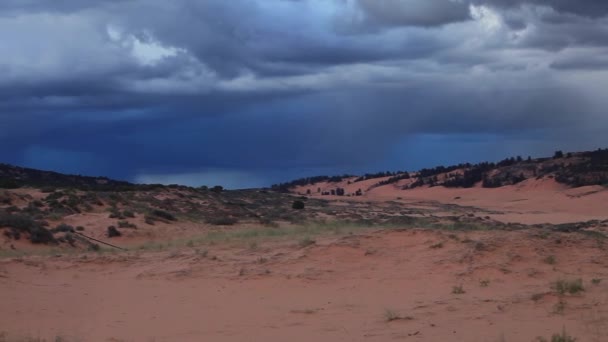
x,y
247,93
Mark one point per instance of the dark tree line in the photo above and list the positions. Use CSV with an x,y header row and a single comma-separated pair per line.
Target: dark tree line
x,y
378,175
394,179
284,187
593,169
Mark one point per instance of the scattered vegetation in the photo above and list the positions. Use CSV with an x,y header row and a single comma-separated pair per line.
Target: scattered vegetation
x,y
458,289
569,286
561,337
305,242
390,316
437,245
559,307
113,232
538,296
126,224
63,228
298,205
550,260
222,221
285,187
161,214
23,224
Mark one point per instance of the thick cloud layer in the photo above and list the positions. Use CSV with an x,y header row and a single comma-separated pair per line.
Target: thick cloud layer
x,y
266,90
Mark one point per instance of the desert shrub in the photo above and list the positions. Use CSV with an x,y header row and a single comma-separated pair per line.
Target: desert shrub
x,y
113,232
222,221
458,289
550,260
116,214
217,189
25,224
569,286
8,183
163,215
390,315
128,213
80,228
47,189
126,224
63,228
305,242
41,235
298,205
5,198
149,220
69,238
562,337
54,196
268,222
12,209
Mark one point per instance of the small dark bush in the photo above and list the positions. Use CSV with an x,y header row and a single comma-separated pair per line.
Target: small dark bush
x,y
113,232
21,223
70,239
163,215
126,224
116,214
128,213
47,189
222,221
8,183
41,235
54,196
80,228
5,199
306,242
298,205
63,228
12,209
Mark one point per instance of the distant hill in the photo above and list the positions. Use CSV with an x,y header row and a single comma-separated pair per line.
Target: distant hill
x,y
12,177
573,169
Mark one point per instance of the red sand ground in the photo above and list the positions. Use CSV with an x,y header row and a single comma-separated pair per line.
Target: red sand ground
x,y
338,289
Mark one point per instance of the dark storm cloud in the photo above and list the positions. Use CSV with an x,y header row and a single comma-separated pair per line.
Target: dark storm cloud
x,y
579,60
587,8
414,12
19,6
141,88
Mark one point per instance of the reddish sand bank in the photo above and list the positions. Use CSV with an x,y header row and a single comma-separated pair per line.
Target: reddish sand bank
x,y
337,290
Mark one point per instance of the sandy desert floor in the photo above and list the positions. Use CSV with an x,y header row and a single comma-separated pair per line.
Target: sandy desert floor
x,y
372,286
359,284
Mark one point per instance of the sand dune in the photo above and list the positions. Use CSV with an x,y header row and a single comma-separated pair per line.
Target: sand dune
x,y
530,202
463,274
341,289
